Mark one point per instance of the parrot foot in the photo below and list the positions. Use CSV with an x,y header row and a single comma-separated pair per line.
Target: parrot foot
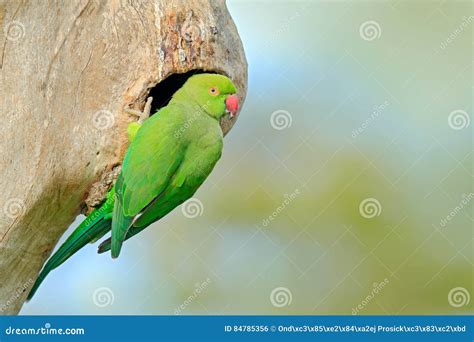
x,y
142,116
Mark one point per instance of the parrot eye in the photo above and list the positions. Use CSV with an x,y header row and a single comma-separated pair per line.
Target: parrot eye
x,y
214,91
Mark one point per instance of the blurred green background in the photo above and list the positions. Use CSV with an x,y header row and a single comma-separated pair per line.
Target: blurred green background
x,y
356,140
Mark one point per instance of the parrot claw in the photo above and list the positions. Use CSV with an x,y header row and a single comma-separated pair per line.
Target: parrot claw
x,y
142,116
231,115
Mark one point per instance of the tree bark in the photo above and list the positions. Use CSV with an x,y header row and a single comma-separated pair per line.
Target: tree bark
x,y
68,68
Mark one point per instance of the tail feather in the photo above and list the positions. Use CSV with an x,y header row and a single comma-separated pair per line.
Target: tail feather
x,y
120,225
107,244
93,227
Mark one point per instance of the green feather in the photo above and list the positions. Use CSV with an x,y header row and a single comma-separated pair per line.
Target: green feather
x,y
96,225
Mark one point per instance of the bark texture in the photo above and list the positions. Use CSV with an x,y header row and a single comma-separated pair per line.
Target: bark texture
x,y
68,68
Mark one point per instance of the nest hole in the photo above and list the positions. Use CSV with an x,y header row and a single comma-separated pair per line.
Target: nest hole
x,y
164,90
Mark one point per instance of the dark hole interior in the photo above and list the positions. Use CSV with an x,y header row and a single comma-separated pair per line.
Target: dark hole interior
x,y
164,90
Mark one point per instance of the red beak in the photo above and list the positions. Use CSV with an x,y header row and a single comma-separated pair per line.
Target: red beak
x,y
232,104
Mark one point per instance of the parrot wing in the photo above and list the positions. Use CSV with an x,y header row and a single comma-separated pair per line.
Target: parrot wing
x,y
151,160
188,177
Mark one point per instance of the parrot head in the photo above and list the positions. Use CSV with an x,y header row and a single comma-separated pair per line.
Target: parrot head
x,y
214,93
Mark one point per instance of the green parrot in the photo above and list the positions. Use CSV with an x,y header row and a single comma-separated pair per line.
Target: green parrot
x,y
169,157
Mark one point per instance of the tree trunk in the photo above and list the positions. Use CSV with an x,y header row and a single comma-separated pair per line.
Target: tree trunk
x,y
68,68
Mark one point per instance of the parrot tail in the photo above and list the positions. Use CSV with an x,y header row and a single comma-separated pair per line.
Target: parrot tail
x,y
120,226
95,226
107,244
